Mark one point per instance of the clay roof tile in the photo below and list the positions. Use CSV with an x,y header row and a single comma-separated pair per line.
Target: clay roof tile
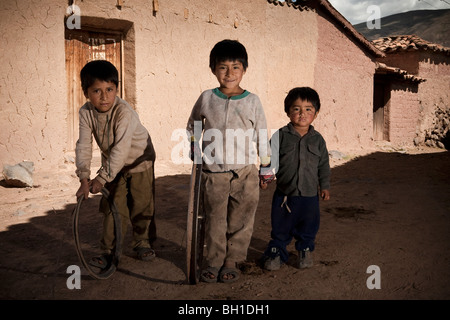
x,y
407,43
382,68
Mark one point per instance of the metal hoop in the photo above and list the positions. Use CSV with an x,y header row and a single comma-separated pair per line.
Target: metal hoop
x,y
195,227
106,273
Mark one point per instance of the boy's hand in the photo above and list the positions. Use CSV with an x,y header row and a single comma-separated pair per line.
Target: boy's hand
x,y
195,152
84,189
95,186
263,185
266,175
325,194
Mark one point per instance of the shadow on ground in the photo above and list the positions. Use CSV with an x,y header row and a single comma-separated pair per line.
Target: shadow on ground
x,y
387,209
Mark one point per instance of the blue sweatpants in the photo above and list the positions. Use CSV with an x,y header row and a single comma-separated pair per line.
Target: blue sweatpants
x,y
293,217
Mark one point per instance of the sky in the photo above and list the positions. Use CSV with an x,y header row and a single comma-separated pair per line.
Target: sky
x,y
356,11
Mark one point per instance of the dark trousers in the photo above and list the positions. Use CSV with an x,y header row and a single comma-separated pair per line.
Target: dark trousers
x,y
293,217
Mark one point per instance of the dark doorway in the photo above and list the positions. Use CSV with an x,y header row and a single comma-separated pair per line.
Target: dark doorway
x,y
381,101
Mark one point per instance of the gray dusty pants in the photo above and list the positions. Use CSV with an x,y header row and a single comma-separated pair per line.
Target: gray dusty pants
x,y
134,196
230,200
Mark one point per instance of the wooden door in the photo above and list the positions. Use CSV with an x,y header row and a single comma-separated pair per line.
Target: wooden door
x,y
378,112
81,47
381,98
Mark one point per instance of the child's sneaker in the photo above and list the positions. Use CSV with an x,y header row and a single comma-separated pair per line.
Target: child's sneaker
x,y
305,259
273,262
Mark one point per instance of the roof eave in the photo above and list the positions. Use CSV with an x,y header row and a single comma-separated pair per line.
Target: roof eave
x,y
344,23
400,74
348,27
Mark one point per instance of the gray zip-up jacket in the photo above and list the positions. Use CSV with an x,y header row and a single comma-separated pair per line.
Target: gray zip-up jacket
x,y
303,164
234,130
124,142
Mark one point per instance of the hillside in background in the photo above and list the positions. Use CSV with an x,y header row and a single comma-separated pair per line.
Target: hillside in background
x,y
430,25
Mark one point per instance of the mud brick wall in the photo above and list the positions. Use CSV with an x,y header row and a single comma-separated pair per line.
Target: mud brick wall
x,y
166,68
344,81
404,117
432,94
32,82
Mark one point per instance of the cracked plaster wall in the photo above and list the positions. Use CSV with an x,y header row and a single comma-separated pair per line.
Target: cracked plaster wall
x,y
32,82
171,48
344,80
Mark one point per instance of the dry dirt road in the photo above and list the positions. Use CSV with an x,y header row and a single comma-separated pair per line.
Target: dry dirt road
x,y
389,209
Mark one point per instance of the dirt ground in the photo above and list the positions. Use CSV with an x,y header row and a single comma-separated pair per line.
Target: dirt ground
x,y
389,208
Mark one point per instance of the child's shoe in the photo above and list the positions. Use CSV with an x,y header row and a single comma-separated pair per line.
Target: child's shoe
x,y
305,259
272,262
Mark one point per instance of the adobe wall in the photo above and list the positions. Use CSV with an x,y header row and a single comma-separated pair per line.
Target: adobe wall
x,y
32,82
277,59
344,79
171,48
286,47
435,92
403,113
408,61
291,56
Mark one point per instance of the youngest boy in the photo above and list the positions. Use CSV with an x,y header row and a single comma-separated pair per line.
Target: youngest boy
x,y
303,172
128,157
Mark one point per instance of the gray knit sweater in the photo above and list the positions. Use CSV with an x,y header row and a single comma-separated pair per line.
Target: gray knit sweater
x,y
124,142
234,130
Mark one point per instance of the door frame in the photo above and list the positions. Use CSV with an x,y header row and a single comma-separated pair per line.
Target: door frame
x,y
77,55
381,105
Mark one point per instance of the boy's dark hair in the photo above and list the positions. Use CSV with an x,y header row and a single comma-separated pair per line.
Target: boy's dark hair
x,y
98,70
303,93
228,50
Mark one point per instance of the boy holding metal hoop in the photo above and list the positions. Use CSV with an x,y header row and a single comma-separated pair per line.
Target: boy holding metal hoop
x,y
127,156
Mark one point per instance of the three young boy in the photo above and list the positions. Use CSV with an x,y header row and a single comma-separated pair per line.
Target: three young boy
x,y
230,177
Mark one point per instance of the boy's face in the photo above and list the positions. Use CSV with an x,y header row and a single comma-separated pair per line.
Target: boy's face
x,y
302,113
229,74
102,95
